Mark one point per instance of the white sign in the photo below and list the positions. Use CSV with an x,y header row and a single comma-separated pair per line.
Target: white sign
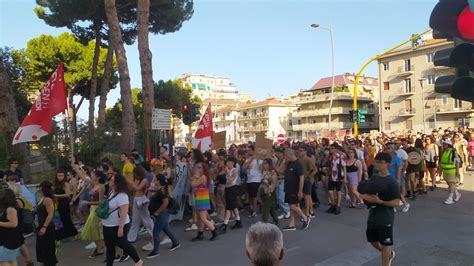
x,y
161,119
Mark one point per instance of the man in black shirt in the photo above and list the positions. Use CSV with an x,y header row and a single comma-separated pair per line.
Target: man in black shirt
x,y
13,170
294,180
381,214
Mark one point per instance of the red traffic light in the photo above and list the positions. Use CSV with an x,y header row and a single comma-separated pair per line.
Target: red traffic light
x,y
185,107
466,24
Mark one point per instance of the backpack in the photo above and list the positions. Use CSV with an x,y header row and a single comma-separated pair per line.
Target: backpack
x,y
102,210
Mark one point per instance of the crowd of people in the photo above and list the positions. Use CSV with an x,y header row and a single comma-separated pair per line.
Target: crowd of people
x,y
109,204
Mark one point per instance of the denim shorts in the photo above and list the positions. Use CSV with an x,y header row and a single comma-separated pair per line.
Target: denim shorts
x,y
8,254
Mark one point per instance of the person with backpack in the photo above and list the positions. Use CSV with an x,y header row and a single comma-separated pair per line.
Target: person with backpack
x,y
158,208
337,175
11,237
449,166
116,221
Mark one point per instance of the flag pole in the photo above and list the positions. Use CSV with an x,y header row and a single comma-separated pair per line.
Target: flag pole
x,y
71,140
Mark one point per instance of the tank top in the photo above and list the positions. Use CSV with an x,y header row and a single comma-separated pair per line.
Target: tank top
x,y
352,168
430,154
11,238
42,214
94,195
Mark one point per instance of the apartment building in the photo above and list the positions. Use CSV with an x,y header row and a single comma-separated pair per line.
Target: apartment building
x,y
225,118
312,116
272,116
407,96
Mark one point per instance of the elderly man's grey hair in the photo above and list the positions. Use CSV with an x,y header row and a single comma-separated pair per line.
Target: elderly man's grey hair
x,y
264,243
289,152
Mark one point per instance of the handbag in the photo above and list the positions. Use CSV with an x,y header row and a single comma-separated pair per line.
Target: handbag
x,y
102,210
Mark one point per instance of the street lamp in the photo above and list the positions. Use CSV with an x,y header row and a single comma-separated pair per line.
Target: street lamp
x,y
333,65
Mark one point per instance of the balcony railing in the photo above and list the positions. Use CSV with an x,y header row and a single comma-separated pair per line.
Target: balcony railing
x,y
403,71
337,96
325,112
252,116
254,128
406,91
407,111
449,109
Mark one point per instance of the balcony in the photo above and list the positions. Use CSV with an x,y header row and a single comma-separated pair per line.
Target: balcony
x,y
407,112
405,72
449,109
254,129
252,116
325,112
351,125
326,97
406,91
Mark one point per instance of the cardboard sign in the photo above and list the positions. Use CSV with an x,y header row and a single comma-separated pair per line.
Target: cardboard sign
x,y
263,146
219,140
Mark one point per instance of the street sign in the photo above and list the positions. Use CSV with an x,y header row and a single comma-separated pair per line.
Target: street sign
x,y
161,119
281,138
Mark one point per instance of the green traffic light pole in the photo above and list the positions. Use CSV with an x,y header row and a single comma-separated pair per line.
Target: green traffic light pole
x,y
356,126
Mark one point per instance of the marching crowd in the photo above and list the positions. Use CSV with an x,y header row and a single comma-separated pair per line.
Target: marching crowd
x,y
115,203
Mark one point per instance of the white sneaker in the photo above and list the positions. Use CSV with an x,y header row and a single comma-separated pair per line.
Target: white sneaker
x,y
449,201
90,246
348,198
406,207
148,247
287,216
165,241
281,216
190,220
457,196
193,227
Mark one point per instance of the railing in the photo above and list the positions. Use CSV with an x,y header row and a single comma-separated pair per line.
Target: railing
x,y
405,71
467,107
325,111
405,91
257,116
255,128
337,95
407,111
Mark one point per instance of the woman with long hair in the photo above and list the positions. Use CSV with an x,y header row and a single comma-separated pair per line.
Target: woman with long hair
x,y
221,182
117,224
62,193
231,193
431,152
354,176
140,214
267,191
11,238
200,185
158,209
92,230
421,174
45,237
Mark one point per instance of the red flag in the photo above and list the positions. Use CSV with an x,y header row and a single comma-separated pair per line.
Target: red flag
x,y
51,102
205,133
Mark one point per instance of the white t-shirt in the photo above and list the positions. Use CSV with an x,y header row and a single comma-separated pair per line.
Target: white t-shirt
x,y
254,175
402,154
113,219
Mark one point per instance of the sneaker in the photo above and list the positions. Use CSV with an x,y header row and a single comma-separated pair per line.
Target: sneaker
x,y
281,216
406,207
175,246
117,259
153,254
148,247
306,224
449,201
193,227
311,215
287,216
253,214
457,196
391,258
348,198
90,246
95,254
198,237
165,241
213,214
237,225
124,258
190,220
142,231
289,228
337,211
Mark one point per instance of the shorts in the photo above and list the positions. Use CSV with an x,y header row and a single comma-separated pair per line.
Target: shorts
x,y
291,199
430,165
231,194
8,254
401,180
252,188
450,177
333,185
379,233
307,187
412,169
420,175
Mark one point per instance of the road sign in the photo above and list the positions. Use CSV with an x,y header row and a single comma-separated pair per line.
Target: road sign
x,y
161,119
281,138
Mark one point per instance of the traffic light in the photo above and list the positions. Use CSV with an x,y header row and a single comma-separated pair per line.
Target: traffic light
x,y
361,116
454,19
186,114
351,115
195,112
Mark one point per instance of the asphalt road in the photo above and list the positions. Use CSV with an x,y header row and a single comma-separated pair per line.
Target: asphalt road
x,y
431,233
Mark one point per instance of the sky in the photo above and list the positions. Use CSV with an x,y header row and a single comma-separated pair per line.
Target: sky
x,y
265,47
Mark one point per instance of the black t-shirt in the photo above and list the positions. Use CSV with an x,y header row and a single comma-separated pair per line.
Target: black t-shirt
x,y
156,201
293,172
16,173
383,215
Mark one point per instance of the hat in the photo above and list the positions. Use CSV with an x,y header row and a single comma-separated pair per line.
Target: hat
x,y
448,142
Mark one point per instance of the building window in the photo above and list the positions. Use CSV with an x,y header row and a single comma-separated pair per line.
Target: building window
x,y
464,122
429,57
457,104
444,100
407,85
386,86
290,122
407,65
386,106
431,79
385,66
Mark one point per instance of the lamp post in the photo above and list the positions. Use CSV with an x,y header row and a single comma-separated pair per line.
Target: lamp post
x,y
423,102
333,66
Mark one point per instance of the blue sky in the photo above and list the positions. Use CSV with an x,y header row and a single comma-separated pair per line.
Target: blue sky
x,y
266,47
